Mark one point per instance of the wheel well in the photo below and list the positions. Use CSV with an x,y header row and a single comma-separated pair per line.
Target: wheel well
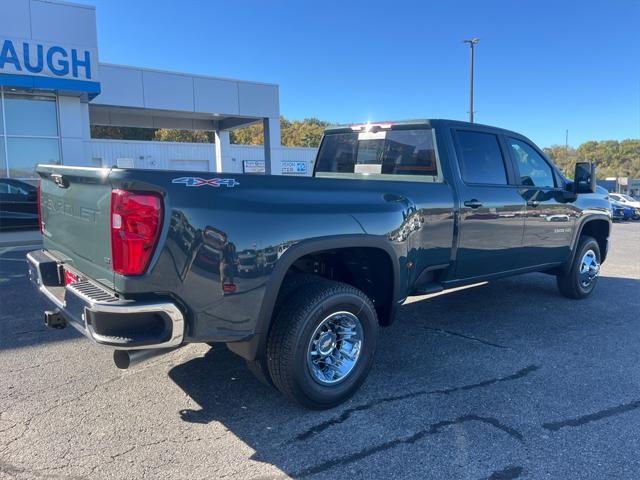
x,y
367,268
598,229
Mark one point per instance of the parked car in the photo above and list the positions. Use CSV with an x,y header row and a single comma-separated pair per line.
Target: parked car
x,y
620,211
627,201
18,205
394,210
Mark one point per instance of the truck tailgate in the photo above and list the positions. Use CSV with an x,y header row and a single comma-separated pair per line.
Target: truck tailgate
x,y
75,207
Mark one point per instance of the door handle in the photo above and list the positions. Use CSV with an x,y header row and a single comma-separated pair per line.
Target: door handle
x,y
532,203
473,203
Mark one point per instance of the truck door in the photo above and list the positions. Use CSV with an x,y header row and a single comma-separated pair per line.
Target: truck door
x,y
491,208
549,218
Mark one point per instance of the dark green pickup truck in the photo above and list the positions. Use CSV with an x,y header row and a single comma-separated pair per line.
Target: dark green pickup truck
x,y
297,274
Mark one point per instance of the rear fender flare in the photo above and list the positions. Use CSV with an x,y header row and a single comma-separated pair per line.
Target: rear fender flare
x,y
256,346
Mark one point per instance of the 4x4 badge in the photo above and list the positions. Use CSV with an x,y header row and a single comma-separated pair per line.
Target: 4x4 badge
x,y
211,182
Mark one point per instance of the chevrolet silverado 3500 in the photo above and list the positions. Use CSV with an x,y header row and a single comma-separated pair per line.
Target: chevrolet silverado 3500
x,y
296,274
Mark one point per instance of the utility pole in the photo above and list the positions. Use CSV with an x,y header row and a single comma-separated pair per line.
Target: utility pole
x,y
472,43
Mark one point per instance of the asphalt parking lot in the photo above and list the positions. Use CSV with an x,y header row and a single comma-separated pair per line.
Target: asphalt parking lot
x,y
501,381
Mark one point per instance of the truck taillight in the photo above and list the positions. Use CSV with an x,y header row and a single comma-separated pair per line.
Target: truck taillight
x,y
40,222
136,219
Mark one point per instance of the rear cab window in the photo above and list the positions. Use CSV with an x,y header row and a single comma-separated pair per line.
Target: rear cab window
x,y
397,154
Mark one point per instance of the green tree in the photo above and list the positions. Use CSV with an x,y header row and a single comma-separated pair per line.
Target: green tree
x,y
251,135
613,158
122,133
296,133
565,158
190,136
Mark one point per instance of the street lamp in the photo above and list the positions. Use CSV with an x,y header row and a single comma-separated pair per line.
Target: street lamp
x,y
472,43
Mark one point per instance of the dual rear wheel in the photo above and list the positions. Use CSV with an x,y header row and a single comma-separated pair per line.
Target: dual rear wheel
x,y
321,345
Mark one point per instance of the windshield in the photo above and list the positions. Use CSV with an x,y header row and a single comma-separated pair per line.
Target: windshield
x,y
402,154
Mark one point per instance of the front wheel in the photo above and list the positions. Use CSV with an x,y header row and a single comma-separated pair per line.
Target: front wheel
x,y
582,277
322,342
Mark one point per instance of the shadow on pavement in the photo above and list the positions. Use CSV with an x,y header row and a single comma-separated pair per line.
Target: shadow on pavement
x,y
21,306
498,327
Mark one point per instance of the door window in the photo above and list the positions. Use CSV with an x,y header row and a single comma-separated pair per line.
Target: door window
x,y
481,158
534,170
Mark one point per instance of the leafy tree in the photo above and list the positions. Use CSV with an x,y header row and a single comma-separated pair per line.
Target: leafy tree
x,y
122,133
565,158
296,133
251,135
190,136
613,158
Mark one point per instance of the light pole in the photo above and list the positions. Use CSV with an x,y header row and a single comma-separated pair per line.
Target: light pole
x,y
472,43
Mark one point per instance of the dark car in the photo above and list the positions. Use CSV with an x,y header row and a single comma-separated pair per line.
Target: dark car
x,y
18,205
394,210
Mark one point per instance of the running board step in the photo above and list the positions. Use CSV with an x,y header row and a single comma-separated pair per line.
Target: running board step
x,y
428,288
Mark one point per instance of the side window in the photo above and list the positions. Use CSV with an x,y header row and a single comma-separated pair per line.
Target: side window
x,y
481,158
534,170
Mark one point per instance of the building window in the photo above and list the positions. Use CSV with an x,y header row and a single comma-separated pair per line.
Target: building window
x,y
28,133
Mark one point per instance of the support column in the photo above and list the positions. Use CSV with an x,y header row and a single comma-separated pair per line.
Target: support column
x,y
74,131
272,147
223,152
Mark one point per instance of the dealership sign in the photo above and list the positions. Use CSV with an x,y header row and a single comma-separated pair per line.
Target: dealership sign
x,y
294,168
253,166
70,67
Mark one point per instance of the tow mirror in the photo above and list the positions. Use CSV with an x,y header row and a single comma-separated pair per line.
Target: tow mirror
x,y
584,179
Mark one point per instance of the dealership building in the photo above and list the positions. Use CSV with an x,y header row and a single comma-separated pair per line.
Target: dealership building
x,y
53,88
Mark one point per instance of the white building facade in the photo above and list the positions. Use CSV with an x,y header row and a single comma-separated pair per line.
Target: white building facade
x,y
53,88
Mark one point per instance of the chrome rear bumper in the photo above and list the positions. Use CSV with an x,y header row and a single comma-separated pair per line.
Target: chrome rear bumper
x,y
102,316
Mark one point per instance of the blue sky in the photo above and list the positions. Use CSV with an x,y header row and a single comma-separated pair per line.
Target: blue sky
x,y
541,66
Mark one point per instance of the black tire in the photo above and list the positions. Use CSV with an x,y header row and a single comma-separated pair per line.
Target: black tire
x,y
259,367
291,284
291,334
570,284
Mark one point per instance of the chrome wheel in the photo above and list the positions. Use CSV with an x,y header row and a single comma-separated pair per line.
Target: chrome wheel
x,y
334,348
589,268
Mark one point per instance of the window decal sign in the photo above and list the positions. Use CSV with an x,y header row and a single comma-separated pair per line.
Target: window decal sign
x,y
211,182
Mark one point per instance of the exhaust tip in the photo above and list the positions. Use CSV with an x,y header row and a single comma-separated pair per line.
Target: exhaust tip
x,y
127,358
122,359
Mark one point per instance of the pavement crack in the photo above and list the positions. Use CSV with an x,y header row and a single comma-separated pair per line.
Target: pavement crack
x,y
592,417
467,337
432,429
508,473
31,367
346,414
28,332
